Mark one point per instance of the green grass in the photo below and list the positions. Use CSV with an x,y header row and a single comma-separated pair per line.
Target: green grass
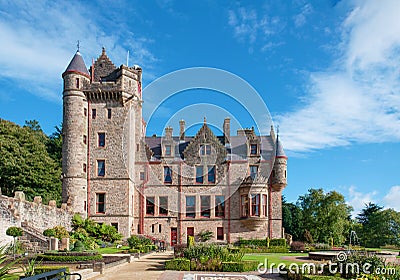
x,y
112,250
273,257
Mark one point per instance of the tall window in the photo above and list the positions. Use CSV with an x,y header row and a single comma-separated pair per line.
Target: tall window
x,y
109,113
191,206
93,113
100,203
77,82
253,171
199,174
84,139
167,175
84,167
85,112
150,205
211,173
141,176
264,203
253,149
102,139
205,149
205,206
190,231
255,205
167,150
219,206
220,233
163,205
101,167
244,204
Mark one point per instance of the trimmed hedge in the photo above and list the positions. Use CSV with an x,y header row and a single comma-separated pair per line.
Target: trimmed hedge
x,y
69,258
271,249
281,242
178,264
239,266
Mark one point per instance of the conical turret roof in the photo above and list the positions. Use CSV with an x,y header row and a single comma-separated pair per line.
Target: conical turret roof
x,y
77,65
279,148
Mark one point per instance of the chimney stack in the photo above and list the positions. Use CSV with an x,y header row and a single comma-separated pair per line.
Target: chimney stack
x,y
182,130
168,132
227,129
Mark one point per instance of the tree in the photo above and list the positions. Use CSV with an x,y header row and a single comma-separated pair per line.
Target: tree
x,y
366,213
292,219
325,215
54,145
15,232
25,164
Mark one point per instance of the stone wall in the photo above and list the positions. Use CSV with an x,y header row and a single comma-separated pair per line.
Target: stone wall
x,y
15,210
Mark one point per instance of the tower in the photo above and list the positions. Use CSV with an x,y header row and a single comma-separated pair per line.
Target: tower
x,y
74,148
278,181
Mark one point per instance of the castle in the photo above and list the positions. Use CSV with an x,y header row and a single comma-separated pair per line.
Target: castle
x,y
166,187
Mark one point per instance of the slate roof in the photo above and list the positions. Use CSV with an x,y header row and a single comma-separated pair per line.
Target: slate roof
x,y
77,65
279,148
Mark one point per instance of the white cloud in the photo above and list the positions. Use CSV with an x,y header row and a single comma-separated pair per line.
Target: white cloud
x,y
392,199
39,38
358,200
301,18
358,99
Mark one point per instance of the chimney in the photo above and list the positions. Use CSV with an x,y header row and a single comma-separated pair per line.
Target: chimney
x,y
168,132
227,129
182,130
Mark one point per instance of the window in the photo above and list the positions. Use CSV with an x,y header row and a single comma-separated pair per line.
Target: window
x,y
264,203
101,168
102,139
253,149
159,228
109,113
142,176
77,82
85,112
93,113
205,206
190,231
220,233
219,206
211,173
191,206
150,205
199,174
244,203
84,139
205,149
255,205
84,168
115,225
253,171
163,205
152,228
100,203
167,175
167,150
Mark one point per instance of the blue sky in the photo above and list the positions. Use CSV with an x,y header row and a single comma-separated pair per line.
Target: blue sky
x,y
327,70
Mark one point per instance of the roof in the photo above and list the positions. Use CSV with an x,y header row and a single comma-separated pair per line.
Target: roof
x,y
279,148
77,65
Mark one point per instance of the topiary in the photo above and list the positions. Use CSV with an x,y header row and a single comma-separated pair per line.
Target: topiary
x,y
49,232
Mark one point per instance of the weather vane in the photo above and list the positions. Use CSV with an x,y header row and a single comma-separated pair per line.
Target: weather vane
x,y
77,45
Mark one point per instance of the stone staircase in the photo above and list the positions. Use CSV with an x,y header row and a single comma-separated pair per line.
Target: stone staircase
x,y
33,240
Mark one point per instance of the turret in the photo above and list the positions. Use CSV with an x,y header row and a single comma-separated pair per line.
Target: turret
x,y
75,135
279,171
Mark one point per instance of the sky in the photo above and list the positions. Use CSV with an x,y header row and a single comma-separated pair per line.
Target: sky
x,y
327,72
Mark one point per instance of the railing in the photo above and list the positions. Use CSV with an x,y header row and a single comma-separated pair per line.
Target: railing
x,y
34,232
54,275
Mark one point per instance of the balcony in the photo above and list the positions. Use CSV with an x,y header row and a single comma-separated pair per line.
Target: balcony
x,y
254,222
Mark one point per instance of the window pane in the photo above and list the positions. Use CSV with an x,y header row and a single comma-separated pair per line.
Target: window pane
x,y
255,205
199,174
211,174
109,113
150,205
219,206
253,149
205,206
245,205
93,113
253,171
163,207
220,233
100,203
102,139
167,150
167,174
190,206
101,168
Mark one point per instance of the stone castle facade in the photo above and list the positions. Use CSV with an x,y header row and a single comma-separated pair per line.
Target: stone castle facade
x,y
167,187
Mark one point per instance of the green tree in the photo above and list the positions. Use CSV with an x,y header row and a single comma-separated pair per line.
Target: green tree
x,y
25,164
54,145
292,219
325,215
15,232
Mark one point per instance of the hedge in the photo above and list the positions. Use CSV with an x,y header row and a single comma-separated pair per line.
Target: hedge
x,y
239,266
277,242
69,258
178,264
272,249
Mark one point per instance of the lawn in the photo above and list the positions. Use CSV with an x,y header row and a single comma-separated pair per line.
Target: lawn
x,y
112,250
274,257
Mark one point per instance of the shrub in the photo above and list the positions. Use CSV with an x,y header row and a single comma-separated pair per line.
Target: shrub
x,y
134,251
179,249
253,242
297,246
190,240
60,232
49,232
14,231
44,269
137,241
322,246
69,257
264,249
78,246
281,242
205,235
239,266
178,264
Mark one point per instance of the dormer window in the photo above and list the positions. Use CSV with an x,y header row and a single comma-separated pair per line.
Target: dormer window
x,y
167,150
205,149
253,149
253,171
